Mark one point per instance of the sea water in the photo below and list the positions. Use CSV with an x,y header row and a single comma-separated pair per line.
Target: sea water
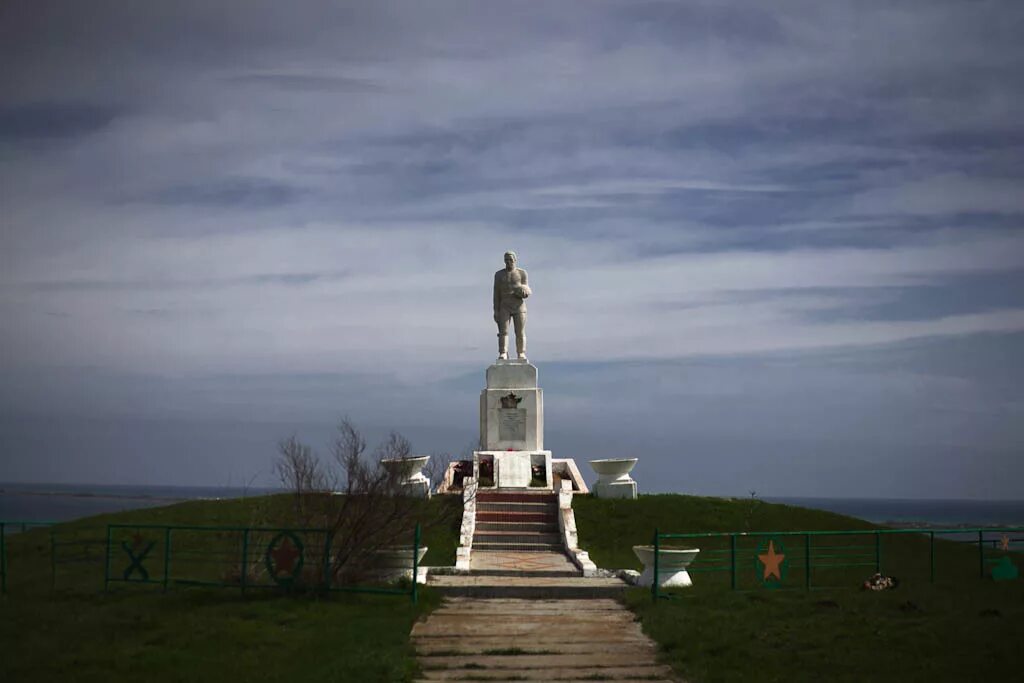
x,y
63,502
904,511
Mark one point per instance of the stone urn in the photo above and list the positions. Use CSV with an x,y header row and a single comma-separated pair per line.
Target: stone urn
x,y
672,564
395,562
409,472
613,480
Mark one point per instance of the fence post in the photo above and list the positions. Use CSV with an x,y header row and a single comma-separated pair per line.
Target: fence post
x,y
106,564
657,575
732,560
167,556
807,561
878,553
981,554
931,559
415,563
53,560
328,539
3,559
244,577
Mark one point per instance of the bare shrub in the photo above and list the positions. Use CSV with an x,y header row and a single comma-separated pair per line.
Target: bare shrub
x,y
356,499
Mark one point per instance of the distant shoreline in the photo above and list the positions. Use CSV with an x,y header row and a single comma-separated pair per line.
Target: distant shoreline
x,y
116,496
924,526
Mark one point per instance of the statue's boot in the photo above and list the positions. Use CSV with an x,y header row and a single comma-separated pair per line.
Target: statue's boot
x,y
521,346
502,346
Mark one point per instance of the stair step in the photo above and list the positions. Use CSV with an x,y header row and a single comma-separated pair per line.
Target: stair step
x,y
527,573
517,517
524,547
493,496
514,525
516,507
515,538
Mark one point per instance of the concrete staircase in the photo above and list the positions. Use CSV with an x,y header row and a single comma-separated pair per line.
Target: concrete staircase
x,y
516,522
518,552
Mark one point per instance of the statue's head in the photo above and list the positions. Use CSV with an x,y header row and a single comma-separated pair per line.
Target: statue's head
x,y
510,259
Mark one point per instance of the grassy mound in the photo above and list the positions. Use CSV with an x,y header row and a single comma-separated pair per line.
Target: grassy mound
x,y
962,627
56,623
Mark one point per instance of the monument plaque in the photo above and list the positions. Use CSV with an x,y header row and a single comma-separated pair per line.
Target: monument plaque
x,y
512,424
514,470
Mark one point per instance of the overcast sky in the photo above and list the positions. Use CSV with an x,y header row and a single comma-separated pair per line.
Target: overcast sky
x,y
773,246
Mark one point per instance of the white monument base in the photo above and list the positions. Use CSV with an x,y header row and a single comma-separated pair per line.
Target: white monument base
x,y
615,489
512,408
514,469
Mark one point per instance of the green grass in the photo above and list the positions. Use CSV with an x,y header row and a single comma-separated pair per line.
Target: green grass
x,y
206,635
962,627
76,632
913,633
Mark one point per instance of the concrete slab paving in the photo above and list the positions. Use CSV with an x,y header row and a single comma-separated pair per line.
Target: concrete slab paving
x,y
490,646
535,563
537,640
527,587
560,674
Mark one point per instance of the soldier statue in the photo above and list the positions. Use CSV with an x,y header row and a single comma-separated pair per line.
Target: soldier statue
x,y
510,293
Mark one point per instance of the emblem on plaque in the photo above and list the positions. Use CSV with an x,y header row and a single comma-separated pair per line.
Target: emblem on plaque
x,y
511,401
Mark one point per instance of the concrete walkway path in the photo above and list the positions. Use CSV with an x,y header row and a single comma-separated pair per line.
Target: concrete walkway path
x,y
473,639
527,587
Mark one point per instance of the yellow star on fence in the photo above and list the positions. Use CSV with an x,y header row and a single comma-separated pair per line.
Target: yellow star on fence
x,y
772,561
1004,543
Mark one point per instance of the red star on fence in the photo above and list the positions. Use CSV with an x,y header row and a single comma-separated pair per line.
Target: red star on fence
x,y
284,557
772,561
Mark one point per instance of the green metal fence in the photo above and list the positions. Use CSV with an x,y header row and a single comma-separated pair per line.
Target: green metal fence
x,y
246,558
76,556
11,526
827,559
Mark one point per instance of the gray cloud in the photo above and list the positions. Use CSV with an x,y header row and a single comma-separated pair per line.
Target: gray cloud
x,y
54,120
231,192
302,82
279,279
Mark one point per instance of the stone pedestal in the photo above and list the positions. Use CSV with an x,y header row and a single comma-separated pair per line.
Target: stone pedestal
x,y
512,408
613,480
614,489
512,428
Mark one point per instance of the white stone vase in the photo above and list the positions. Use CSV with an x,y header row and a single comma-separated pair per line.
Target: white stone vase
x,y
409,472
672,564
395,563
613,480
